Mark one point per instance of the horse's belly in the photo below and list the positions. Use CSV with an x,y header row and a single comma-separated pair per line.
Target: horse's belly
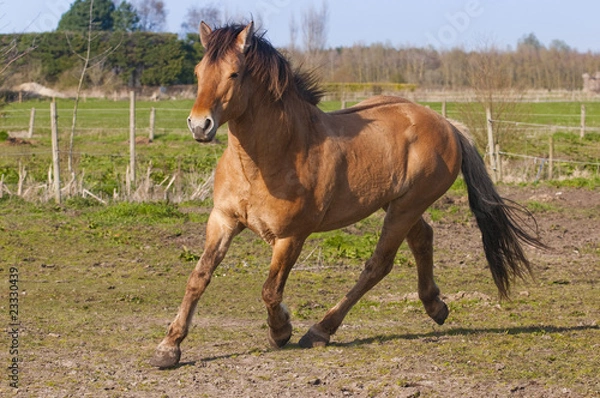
x,y
355,203
339,219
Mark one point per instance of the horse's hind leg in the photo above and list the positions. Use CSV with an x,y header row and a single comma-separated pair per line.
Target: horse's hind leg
x,y
420,241
396,225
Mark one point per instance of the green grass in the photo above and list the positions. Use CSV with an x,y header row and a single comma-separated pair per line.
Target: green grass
x,y
552,113
102,151
539,207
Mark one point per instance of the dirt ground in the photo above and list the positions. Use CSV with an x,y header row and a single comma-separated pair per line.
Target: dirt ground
x,y
227,356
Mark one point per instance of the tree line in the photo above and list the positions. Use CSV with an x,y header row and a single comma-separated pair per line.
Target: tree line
x,y
151,59
530,65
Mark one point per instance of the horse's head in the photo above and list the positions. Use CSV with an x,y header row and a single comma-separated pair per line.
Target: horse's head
x,y
220,75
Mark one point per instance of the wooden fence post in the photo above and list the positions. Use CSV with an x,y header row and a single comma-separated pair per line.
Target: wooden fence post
x,y
499,163
582,133
132,136
22,176
31,123
491,146
152,123
551,157
444,113
55,151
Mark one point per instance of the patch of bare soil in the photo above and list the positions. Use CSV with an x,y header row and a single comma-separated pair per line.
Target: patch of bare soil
x,y
16,141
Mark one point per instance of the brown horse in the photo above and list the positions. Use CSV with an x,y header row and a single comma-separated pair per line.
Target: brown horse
x,y
290,169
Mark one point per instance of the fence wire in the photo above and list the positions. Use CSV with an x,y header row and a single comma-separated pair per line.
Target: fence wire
x,y
174,181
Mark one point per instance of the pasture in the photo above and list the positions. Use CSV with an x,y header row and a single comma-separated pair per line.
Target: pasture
x,y
101,150
98,284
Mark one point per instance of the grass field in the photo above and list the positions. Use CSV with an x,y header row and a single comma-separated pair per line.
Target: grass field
x,y
101,150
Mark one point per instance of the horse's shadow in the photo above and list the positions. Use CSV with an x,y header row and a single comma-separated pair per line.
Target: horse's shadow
x,y
439,333
433,335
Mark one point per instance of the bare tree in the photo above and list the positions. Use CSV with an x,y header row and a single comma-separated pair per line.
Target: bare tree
x,y
153,15
9,54
314,31
210,14
87,60
489,74
293,33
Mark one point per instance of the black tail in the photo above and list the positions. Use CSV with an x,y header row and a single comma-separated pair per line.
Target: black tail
x,y
498,221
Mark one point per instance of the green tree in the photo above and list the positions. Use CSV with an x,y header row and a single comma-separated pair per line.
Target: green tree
x,y
194,51
153,59
531,40
77,18
126,18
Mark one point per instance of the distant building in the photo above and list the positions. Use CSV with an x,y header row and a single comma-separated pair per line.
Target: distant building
x,y
591,84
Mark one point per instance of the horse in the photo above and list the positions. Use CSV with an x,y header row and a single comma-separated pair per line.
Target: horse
x,y
290,169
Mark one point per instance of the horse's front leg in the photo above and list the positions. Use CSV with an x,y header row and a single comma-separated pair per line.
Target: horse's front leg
x,y
220,230
285,254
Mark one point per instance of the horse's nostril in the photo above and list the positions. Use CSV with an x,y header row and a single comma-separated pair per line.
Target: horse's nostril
x,y
209,124
200,126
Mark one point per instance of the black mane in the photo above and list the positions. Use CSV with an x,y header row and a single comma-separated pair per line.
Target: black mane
x,y
265,64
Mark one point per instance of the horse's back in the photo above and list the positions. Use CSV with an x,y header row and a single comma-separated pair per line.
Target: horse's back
x,y
388,148
377,101
394,131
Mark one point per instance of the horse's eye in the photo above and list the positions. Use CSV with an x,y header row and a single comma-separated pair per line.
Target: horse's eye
x,y
234,75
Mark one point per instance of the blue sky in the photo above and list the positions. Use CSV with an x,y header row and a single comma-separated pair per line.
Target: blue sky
x,y
441,23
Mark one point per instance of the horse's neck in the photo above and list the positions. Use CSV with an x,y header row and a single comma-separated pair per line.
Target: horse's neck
x,y
269,134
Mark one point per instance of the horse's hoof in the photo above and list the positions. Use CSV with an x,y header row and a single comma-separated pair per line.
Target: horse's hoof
x,y
441,314
314,338
281,338
166,357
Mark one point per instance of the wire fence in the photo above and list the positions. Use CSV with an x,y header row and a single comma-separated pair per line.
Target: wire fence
x,y
171,167
519,167
105,160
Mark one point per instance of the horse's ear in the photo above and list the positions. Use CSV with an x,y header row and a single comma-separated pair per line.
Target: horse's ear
x,y
245,37
205,31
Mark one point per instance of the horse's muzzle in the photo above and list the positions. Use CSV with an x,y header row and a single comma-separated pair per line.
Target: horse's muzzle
x,y
203,129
